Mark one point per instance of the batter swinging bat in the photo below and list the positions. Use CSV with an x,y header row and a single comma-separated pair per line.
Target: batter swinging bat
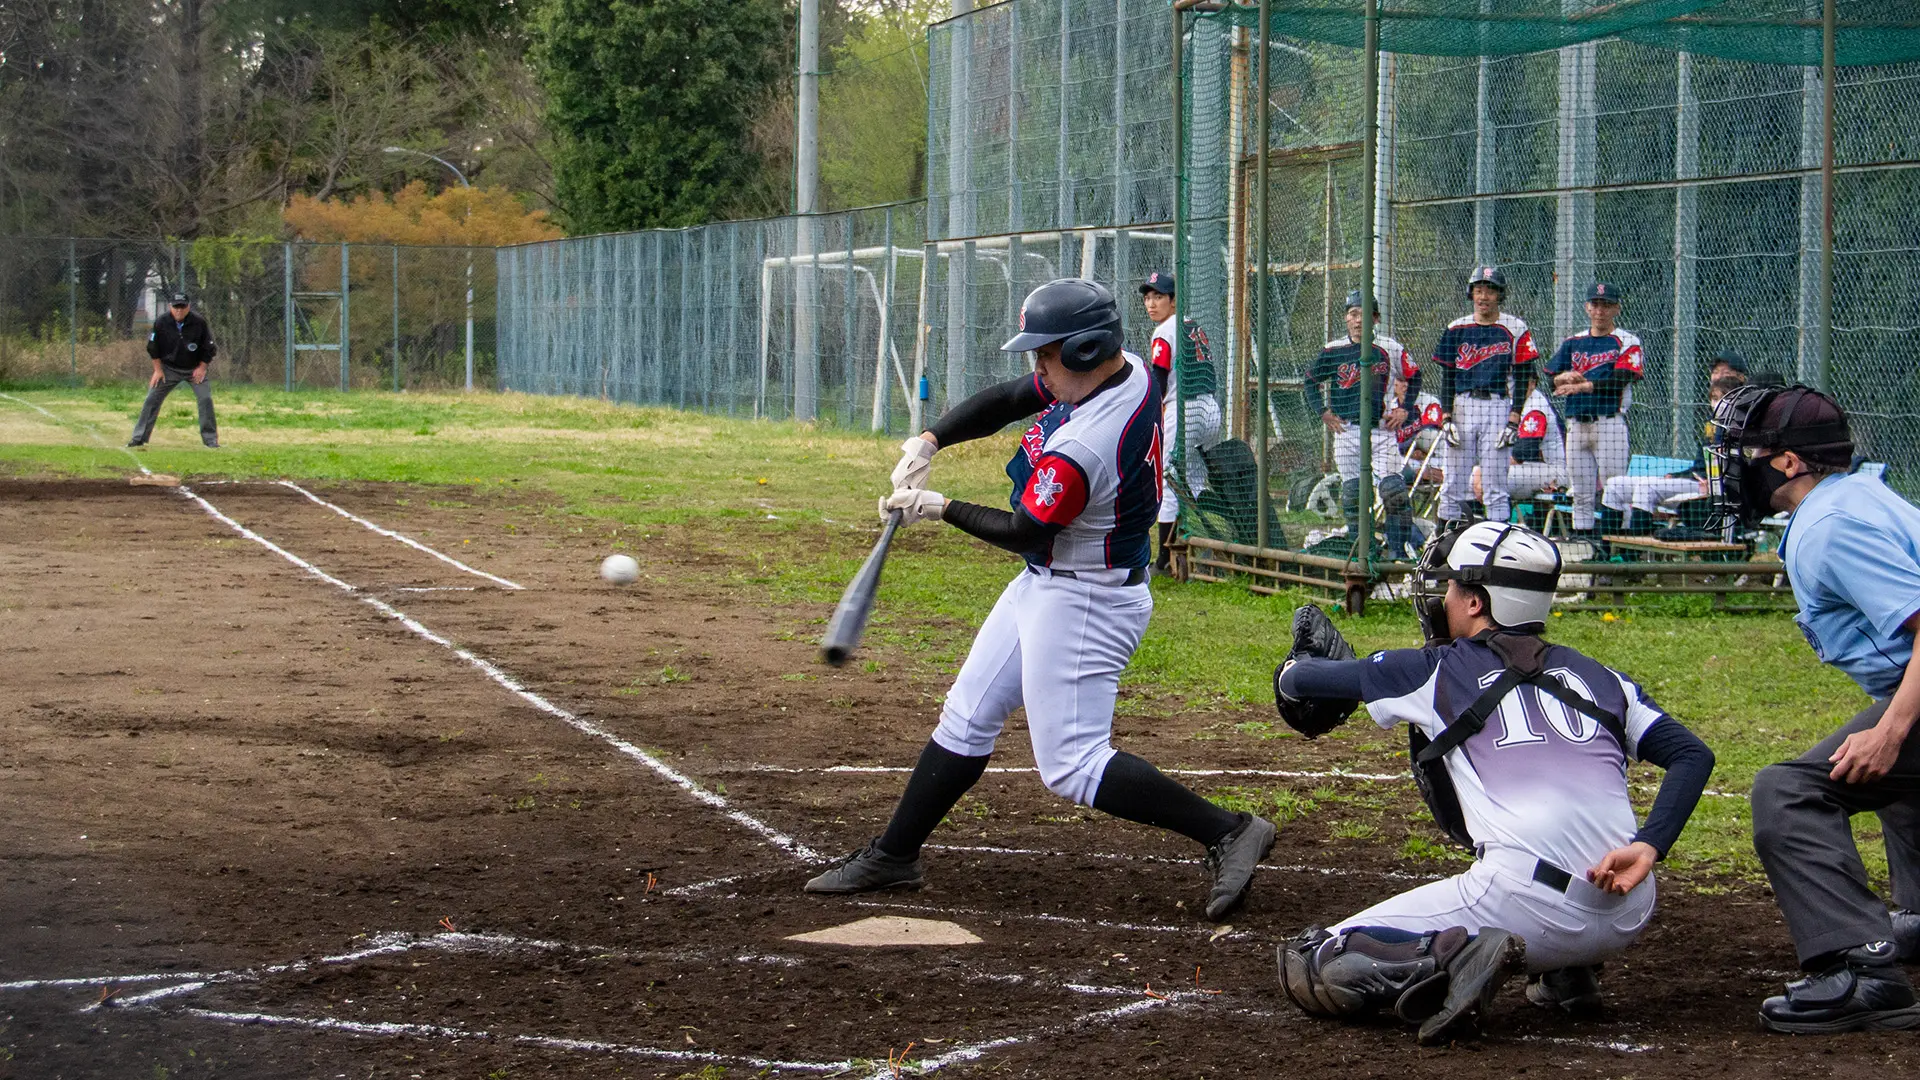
x,y
849,620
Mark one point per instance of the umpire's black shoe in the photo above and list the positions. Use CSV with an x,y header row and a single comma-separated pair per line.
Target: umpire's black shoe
x,y
869,870
1231,859
1571,990
1863,990
1474,975
1906,935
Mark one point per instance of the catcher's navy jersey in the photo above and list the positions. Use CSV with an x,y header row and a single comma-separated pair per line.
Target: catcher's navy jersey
x,y
1095,469
1481,359
1539,777
1611,362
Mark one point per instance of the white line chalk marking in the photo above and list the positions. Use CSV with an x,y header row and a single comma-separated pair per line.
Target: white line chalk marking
x,y
512,685
407,540
436,588
1328,871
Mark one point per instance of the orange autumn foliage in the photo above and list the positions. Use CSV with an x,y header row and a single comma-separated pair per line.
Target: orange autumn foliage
x,y
459,216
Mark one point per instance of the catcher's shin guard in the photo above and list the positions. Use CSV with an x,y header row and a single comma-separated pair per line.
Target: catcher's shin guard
x,y
1357,972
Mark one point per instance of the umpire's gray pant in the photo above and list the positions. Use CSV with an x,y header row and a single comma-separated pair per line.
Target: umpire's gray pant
x,y
1801,830
203,396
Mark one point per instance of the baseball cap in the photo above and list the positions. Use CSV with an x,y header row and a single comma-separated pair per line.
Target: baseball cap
x,y
1601,290
1730,358
178,298
1159,281
1810,424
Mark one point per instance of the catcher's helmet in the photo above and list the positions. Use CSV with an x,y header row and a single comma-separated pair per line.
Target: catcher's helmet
x,y
1487,275
1518,568
1079,314
1754,423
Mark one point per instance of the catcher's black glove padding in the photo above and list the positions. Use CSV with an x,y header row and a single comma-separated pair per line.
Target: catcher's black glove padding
x,y
1314,635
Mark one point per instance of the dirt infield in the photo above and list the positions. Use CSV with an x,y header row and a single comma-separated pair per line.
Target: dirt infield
x,y
406,820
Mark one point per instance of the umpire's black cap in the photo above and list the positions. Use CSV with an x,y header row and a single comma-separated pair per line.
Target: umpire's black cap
x,y
1603,291
1159,281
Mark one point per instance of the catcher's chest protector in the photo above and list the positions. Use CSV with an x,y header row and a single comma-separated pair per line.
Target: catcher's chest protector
x,y
1525,659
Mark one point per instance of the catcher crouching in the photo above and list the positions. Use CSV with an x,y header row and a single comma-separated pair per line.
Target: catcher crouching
x,y
1520,748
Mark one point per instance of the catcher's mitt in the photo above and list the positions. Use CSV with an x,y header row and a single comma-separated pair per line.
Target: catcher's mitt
x,y
1314,635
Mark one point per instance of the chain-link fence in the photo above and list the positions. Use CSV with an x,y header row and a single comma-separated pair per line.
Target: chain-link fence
x,y
352,316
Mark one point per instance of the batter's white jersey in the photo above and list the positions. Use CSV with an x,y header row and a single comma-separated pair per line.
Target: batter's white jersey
x,y
1094,469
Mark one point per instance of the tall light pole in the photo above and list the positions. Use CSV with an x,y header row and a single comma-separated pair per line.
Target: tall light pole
x,y
469,214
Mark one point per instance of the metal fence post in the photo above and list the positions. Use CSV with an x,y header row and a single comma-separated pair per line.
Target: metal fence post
x,y
1262,117
344,322
396,318
1824,373
286,306
73,313
850,373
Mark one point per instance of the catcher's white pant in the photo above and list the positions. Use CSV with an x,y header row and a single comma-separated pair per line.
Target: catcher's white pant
x,y
1596,451
1201,428
1529,478
1479,422
1346,453
1583,925
1624,493
1056,645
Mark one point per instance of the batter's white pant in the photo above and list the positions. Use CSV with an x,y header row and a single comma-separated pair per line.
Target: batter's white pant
x,y
1201,429
1346,453
1624,493
1530,478
1057,646
1583,925
1596,451
1479,422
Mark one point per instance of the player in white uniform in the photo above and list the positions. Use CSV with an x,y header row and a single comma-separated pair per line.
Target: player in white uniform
x,y
1486,371
1539,451
1086,481
1192,424
1522,749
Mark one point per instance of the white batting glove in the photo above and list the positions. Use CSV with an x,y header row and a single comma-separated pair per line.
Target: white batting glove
x,y
916,461
914,505
1452,433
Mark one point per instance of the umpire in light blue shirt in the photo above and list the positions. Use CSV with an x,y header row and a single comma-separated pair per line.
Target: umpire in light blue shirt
x,y
1852,551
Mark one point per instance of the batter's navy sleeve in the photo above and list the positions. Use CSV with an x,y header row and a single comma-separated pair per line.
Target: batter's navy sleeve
x,y
1688,762
1005,529
992,409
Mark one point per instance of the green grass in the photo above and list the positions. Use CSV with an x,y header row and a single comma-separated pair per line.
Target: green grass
x,y
790,510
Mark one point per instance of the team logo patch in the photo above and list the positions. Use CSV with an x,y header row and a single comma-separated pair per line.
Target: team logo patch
x,y
1472,356
1348,376
193,346
1533,425
1045,487
1585,362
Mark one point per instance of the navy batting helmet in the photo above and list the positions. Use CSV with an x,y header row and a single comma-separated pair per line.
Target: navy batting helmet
x,y
1353,301
1487,275
1079,314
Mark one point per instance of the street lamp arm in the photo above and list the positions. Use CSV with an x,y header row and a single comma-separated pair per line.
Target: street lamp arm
x,y
433,157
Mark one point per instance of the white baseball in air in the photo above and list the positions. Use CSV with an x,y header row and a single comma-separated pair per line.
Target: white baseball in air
x,y
620,569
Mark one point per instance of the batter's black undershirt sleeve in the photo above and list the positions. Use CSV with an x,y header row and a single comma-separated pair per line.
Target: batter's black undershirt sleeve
x,y
1447,376
1310,389
990,410
1669,745
1410,400
1015,532
1522,385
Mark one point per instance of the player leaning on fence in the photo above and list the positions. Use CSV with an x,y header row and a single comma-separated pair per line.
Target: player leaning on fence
x,y
1852,552
181,346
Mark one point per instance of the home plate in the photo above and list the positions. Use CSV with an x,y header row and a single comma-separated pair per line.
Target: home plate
x,y
891,930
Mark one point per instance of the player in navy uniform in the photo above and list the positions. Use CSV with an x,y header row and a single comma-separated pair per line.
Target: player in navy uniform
x,y
1086,484
1486,371
1522,749
1338,406
1590,373
1190,419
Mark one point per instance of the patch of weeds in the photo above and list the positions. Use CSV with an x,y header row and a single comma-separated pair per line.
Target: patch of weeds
x,y
1278,805
797,676
1353,830
1259,729
707,1072
1420,847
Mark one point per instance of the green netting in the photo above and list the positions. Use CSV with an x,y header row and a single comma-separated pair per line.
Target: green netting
x,y
1761,31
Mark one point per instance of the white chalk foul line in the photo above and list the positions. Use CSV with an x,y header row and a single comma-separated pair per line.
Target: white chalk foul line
x,y
1295,868
407,540
513,686
550,1042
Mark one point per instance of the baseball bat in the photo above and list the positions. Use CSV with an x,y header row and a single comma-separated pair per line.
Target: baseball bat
x,y
849,620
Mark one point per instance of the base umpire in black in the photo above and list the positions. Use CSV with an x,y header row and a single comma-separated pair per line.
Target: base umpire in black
x,y
1852,554
181,346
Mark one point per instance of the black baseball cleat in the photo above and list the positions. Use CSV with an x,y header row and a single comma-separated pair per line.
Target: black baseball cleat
x,y
1906,935
1571,990
215,445
869,870
1474,975
135,444
1864,989
1231,859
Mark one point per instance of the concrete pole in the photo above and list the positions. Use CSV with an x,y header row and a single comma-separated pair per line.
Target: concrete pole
x,y
1369,161
1686,235
1824,379
959,261
806,201
1263,106
346,258
396,317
